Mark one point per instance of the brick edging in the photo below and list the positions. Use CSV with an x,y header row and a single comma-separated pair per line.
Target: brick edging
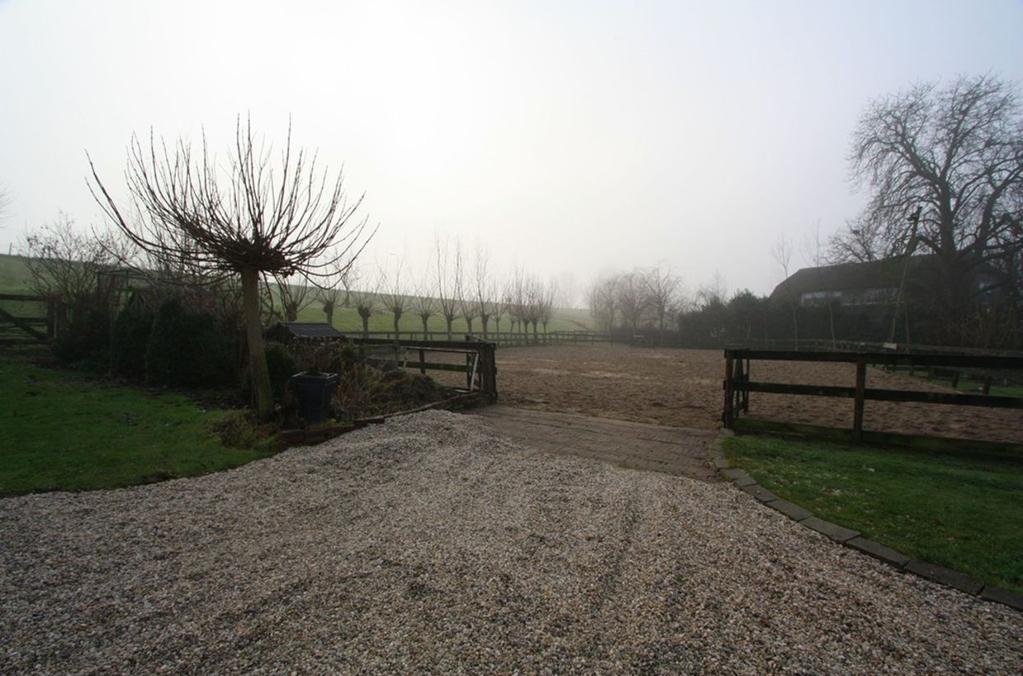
x,y
853,539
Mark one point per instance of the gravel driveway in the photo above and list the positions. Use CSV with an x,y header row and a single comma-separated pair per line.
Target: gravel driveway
x,y
430,543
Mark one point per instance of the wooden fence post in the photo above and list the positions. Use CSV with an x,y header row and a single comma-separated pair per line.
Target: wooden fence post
x,y
861,384
728,418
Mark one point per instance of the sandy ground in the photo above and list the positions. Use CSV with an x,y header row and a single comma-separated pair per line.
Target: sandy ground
x,y
683,388
429,544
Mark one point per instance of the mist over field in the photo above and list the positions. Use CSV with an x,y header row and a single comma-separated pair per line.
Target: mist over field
x,y
573,140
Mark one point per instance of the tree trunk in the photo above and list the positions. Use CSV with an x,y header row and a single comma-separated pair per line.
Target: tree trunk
x,y
448,320
291,313
536,333
329,311
426,328
484,319
397,320
468,325
259,374
365,326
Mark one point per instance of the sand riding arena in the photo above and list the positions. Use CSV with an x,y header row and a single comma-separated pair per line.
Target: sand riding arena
x,y
683,388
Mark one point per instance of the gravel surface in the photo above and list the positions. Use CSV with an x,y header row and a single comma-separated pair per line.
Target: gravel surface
x,y
429,543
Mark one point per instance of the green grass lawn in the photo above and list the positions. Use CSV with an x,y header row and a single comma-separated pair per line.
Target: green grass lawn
x,y
962,513
64,431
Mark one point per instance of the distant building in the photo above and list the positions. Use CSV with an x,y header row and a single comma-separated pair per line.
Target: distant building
x,y
874,283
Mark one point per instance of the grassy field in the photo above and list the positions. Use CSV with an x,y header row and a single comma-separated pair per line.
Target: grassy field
x,y
957,512
14,279
13,274
64,431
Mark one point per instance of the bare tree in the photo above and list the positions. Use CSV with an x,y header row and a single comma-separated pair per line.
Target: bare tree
x,y
814,253
483,289
516,301
365,298
860,242
955,152
294,298
633,300
604,302
782,254
662,288
394,296
463,289
532,304
65,265
498,308
250,221
334,292
424,305
549,293
447,294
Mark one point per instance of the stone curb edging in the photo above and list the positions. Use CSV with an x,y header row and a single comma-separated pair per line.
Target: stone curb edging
x,y
854,540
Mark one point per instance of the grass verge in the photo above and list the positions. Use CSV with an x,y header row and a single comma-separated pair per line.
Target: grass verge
x,y
959,512
65,431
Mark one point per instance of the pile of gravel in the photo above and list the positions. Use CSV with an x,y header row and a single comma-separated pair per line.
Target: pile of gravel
x,y
430,543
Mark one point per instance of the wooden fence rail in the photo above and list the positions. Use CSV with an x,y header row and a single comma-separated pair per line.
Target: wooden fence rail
x,y
26,319
738,385
480,362
503,339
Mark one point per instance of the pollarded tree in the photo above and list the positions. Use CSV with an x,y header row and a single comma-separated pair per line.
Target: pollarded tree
x,y
464,289
425,306
294,298
447,294
955,152
483,289
333,292
365,299
394,298
252,219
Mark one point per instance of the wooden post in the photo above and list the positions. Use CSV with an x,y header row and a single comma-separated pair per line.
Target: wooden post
x,y
422,361
745,391
727,417
861,383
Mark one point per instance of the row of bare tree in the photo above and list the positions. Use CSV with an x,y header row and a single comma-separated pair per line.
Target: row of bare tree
x,y
452,286
651,297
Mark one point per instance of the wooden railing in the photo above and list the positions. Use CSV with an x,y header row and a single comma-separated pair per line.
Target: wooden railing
x,y
18,328
479,367
738,385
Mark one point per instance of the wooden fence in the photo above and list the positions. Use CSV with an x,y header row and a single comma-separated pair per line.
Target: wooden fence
x,y
26,320
503,339
738,386
477,359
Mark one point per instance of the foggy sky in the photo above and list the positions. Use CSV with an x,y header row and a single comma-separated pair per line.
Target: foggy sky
x,y
562,136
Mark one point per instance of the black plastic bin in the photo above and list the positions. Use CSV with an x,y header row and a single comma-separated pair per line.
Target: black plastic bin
x,y
313,392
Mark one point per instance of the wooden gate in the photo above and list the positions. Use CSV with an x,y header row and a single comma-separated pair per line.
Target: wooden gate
x,y
26,320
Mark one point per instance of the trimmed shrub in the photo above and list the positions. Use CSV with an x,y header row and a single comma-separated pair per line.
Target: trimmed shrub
x,y
282,365
129,341
189,349
85,340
